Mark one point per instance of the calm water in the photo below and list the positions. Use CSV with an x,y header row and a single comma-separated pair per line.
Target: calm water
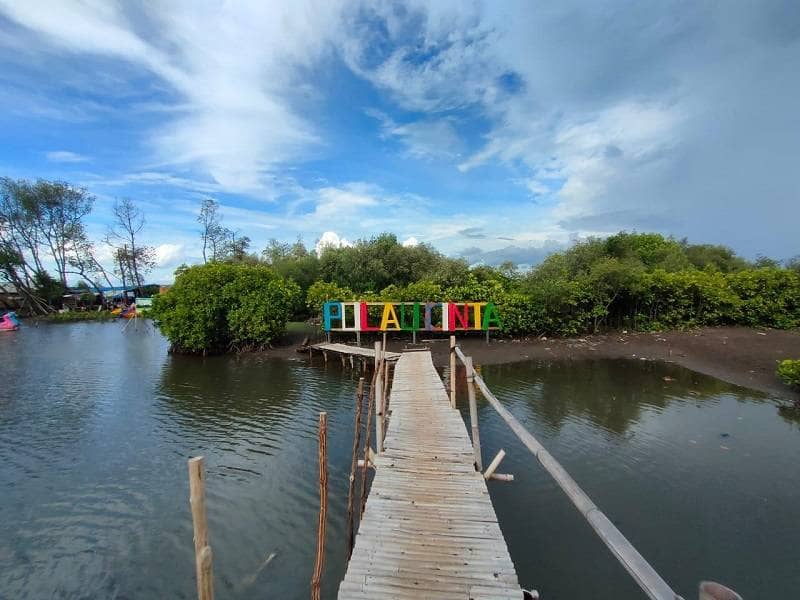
x,y
96,426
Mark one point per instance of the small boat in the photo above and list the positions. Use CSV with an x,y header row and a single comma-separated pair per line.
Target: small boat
x,y
9,322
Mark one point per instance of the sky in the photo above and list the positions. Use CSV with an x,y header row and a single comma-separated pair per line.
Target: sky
x,y
492,130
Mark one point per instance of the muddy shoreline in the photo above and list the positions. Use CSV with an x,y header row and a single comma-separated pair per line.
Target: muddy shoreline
x,y
738,355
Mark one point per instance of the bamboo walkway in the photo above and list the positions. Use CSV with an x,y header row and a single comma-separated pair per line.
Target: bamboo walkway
x,y
353,351
429,529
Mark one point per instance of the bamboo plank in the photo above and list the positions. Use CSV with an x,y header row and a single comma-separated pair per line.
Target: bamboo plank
x,y
429,529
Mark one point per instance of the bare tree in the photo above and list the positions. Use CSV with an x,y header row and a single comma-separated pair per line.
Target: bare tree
x,y
134,260
210,227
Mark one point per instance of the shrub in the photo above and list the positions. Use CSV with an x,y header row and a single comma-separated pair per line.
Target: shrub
x,y
223,306
321,292
789,371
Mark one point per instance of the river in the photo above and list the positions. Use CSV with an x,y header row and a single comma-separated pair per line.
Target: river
x,y
96,425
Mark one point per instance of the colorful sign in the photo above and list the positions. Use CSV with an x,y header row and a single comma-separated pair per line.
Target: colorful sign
x,y
410,316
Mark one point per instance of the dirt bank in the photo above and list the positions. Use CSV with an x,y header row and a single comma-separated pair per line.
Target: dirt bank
x,y
739,355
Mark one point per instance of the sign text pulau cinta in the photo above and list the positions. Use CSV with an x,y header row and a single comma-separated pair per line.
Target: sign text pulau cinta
x,y
410,316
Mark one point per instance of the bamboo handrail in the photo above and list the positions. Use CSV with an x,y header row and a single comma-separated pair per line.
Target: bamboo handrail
x,y
642,572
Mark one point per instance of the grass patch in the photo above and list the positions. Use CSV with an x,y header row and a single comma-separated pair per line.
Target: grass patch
x,y
80,315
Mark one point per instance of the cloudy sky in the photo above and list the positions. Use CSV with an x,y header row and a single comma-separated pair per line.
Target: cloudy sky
x,y
491,130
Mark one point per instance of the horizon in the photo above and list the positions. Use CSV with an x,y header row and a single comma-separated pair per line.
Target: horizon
x,y
492,133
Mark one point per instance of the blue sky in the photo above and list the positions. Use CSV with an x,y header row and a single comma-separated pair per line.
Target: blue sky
x,y
497,130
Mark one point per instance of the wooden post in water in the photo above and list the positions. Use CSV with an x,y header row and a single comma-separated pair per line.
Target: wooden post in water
x,y
379,398
353,465
367,447
452,371
316,578
494,464
473,414
202,551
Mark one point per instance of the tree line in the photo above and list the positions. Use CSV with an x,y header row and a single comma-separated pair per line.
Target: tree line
x,y
44,243
638,281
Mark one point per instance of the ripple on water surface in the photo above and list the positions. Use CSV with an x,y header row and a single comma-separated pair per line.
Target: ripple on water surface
x,y
96,425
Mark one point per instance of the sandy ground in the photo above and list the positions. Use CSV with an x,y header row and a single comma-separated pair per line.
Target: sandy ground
x,y
739,355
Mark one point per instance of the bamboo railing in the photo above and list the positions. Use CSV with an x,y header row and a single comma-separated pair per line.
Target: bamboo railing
x,y
637,566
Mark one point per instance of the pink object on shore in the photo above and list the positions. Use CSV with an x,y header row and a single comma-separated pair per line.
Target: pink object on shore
x,y
9,322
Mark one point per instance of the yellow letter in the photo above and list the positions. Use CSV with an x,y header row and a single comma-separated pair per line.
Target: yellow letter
x,y
476,313
389,316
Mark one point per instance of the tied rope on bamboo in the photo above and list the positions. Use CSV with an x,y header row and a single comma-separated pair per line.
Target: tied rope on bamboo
x,y
316,578
367,442
353,465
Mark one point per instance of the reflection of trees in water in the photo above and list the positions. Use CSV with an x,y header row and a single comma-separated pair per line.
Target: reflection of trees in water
x,y
222,392
611,393
790,414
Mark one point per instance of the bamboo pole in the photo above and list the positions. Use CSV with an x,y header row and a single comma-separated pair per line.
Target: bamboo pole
x,y
353,466
367,447
453,371
202,551
473,415
316,578
379,398
494,464
385,395
642,572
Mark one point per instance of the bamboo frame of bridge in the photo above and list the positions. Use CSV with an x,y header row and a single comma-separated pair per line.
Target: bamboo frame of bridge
x,y
389,559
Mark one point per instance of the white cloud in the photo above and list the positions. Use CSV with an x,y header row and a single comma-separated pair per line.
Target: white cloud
x,y
169,255
239,117
65,156
424,138
330,239
410,242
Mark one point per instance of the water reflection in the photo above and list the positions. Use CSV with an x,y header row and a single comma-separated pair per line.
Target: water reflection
x,y
96,425
700,475
611,394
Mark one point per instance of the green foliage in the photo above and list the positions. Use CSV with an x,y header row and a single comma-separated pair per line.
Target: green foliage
x,y
48,288
224,306
789,371
71,316
321,292
374,264
769,297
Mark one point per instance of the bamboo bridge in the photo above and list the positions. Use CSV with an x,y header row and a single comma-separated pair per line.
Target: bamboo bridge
x,y
428,528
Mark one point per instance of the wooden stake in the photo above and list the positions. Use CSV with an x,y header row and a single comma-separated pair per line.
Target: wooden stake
x,y
353,465
452,371
202,551
384,342
367,447
385,398
494,464
473,414
352,366
316,578
379,398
